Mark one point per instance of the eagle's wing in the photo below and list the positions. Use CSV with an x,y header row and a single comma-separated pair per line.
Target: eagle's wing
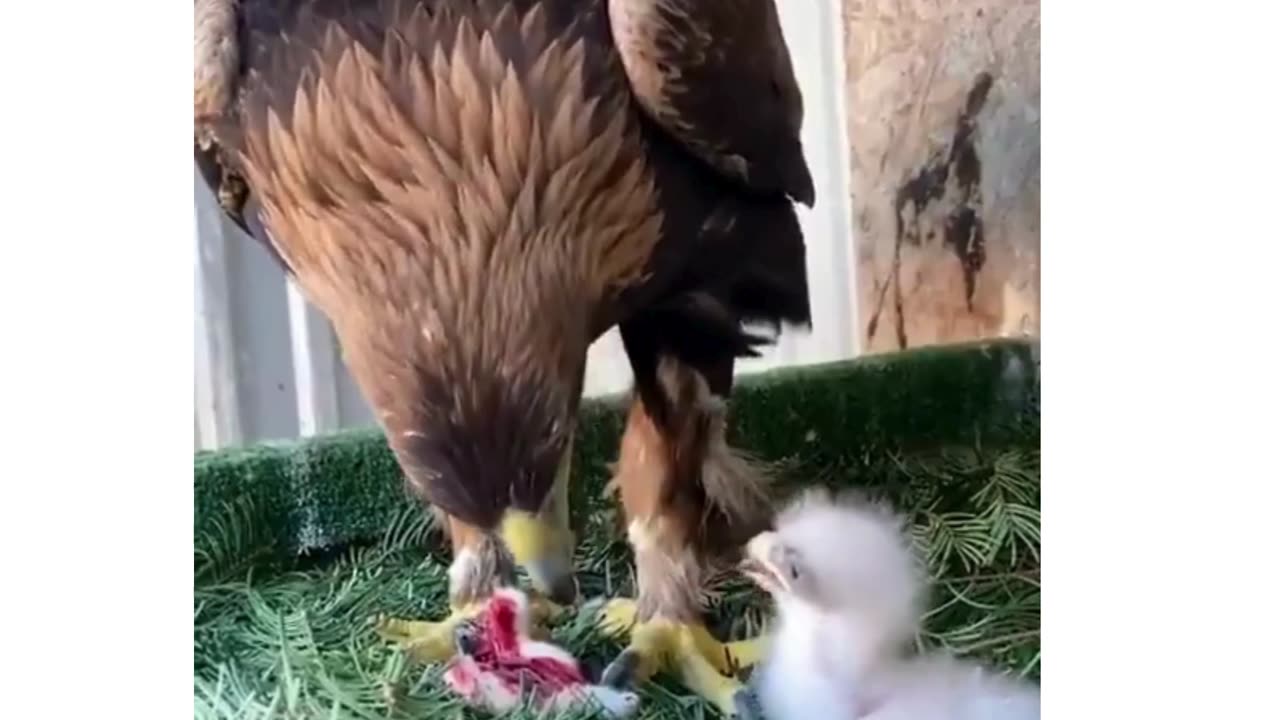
x,y
218,61
717,76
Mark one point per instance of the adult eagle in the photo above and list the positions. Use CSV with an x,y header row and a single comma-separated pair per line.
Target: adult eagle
x,y
473,191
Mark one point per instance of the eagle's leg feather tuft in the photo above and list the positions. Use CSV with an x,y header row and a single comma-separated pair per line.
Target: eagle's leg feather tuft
x,y
689,502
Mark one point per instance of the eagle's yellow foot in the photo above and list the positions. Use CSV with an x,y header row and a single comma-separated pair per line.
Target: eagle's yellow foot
x,y
743,653
543,611
426,641
688,651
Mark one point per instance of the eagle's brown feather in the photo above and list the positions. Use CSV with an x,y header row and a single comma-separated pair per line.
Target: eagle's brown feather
x,y
718,76
217,59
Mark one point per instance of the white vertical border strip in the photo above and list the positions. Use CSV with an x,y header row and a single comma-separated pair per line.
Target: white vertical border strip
x,y
314,366
841,148
827,225
218,422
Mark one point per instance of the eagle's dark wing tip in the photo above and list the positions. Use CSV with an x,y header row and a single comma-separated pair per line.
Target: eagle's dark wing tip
x,y
806,195
799,181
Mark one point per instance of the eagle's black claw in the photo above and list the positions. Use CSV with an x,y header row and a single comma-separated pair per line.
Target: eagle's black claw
x,y
621,672
464,638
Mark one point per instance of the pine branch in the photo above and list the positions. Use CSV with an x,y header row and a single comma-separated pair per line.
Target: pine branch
x,y
277,643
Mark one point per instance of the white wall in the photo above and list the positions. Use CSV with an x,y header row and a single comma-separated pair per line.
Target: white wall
x,y
267,366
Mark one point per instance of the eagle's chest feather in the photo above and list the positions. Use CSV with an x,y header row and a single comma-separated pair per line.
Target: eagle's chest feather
x,y
449,152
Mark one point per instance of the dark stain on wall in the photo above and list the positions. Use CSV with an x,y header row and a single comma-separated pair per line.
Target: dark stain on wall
x,y
962,230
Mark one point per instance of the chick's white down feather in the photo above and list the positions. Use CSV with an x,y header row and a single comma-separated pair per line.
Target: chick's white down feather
x,y
847,590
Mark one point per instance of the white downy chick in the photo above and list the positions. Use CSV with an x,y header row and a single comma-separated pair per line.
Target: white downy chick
x,y
845,587
937,687
848,591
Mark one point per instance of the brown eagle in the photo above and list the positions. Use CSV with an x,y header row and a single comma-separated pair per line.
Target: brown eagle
x,y
475,190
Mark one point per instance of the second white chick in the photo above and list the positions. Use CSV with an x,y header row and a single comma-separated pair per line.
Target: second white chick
x,y
848,590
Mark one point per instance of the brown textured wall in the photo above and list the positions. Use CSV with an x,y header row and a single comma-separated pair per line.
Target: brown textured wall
x,y
944,124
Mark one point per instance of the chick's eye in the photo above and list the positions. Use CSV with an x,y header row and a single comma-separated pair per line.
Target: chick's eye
x,y
795,573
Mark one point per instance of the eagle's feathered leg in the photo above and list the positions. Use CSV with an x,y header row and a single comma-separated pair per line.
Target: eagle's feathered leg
x,y
480,565
690,501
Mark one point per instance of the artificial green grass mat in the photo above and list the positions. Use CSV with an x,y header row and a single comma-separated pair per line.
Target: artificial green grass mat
x,y
949,436
343,488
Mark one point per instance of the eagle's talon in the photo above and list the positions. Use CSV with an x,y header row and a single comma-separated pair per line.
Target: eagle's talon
x,y
686,651
738,655
621,673
617,617
464,638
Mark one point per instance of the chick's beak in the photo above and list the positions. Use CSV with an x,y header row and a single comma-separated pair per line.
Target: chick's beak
x,y
757,564
546,556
